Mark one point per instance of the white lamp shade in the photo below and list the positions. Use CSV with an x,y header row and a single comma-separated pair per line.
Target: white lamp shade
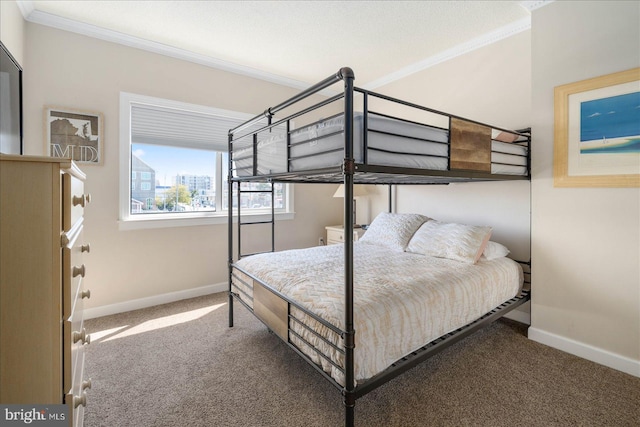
x,y
358,191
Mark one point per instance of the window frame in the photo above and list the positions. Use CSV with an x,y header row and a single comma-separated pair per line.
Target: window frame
x,y
128,221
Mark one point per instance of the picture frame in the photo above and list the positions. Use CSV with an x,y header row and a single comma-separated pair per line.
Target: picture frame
x,y
597,132
75,134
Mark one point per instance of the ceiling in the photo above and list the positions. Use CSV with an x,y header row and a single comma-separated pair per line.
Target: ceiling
x,y
295,42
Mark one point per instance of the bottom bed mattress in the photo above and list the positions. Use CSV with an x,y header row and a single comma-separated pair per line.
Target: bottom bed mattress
x,y
402,300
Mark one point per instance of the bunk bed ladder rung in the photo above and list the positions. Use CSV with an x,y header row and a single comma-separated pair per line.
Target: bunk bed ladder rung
x,y
270,221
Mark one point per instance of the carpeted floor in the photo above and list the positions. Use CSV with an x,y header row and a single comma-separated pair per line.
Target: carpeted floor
x,y
180,365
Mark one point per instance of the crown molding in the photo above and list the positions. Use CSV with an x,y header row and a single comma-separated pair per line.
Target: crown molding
x,y
33,15
535,4
461,49
38,17
26,8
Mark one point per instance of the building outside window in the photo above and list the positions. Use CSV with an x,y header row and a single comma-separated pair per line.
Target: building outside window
x,y
173,161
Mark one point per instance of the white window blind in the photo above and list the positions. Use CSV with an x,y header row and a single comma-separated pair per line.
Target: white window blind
x,y
151,124
182,127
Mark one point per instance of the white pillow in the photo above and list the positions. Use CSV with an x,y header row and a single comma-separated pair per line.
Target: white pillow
x,y
450,240
393,230
495,250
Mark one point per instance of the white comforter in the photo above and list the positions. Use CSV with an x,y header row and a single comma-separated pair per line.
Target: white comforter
x,y
402,300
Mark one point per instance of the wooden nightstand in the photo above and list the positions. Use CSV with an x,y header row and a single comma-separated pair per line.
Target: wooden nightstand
x,y
335,234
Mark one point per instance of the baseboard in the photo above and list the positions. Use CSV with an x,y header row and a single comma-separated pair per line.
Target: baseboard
x,y
121,307
594,354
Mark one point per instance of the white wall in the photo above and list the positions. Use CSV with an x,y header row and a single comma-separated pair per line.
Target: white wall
x,y
490,85
586,241
12,29
66,69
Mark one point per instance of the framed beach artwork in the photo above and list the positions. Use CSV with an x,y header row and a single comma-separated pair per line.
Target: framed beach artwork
x,y
597,132
74,134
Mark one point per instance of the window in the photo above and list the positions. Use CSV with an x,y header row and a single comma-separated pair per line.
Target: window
x,y
173,166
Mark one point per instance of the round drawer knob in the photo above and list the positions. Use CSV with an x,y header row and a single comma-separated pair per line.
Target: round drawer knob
x,y
79,271
85,248
79,200
80,400
86,294
86,384
81,336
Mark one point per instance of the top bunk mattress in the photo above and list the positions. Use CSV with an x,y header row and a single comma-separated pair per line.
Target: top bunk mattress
x,y
389,142
402,300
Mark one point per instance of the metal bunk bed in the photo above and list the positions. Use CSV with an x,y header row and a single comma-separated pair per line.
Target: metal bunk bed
x,y
274,309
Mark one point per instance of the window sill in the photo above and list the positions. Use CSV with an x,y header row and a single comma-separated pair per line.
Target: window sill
x,y
145,222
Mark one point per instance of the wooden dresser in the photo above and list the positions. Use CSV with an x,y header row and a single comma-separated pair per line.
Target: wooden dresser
x,y
42,284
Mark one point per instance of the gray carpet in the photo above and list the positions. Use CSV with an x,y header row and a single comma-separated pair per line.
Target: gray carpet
x,y
180,365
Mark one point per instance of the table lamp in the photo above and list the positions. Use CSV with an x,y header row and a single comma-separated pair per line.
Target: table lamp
x,y
358,191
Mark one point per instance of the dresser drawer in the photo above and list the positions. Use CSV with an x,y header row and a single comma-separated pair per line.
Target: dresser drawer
x,y
78,412
335,236
73,268
75,336
77,399
78,395
75,200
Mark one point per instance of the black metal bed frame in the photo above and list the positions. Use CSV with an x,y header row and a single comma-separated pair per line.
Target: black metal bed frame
x,y
348,174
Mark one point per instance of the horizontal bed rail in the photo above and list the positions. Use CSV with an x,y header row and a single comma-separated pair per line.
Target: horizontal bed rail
x,y
342,73
300,154
522,132
315,350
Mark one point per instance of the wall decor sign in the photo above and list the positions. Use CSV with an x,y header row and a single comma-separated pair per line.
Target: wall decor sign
x,y
597,132
74,134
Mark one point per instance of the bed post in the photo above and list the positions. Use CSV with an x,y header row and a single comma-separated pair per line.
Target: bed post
x,y
348,172
230,226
